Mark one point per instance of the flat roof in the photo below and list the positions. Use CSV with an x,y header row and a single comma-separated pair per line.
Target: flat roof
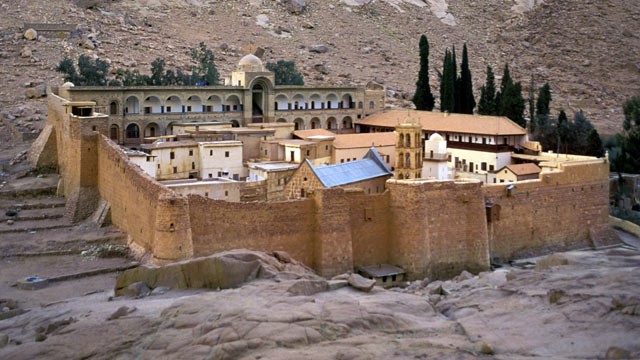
x,y
170,144
305,134
280,166
445,122
380,270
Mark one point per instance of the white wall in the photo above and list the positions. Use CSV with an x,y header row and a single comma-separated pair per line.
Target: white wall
x,y
220,157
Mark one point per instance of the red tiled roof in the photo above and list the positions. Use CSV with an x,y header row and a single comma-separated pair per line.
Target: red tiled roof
x,y
364,140
524,169
305,134
444,122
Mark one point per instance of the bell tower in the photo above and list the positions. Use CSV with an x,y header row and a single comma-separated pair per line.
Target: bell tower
x,y
408,150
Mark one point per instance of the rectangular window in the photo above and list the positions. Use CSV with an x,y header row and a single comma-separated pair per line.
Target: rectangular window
x,y
308,152
190,152
193,166
265,152
172,155
341,160
226,193
175,170
491,167
158,166
188,108
219,173
210,176
483,166
210,152
168,108
226,154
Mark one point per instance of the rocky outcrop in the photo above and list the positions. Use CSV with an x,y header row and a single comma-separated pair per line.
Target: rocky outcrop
x,y
220,271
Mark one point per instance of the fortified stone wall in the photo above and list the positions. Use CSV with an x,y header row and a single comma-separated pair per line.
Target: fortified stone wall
x,y
153,215
438,228
265,226
370,222
563,210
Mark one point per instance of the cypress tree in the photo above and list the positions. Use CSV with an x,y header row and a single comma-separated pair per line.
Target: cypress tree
x,y
544,99
467,102
594,144
457,98
423,98
511,103
447,99
487,105
532,109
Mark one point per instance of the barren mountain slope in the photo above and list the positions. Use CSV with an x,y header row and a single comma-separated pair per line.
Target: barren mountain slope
x,y
587,50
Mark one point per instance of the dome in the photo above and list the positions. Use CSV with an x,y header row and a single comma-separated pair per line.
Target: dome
x,y
436,137
67,85
250,63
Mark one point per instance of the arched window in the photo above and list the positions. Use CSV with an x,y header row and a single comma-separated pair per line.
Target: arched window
x,y
359,104
408,160
371,105
401,139
401,160
408,140
113,108
133,131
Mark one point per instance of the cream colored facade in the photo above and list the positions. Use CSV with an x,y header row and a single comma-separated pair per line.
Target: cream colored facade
x,y
221,159
217,189
435,158
249,97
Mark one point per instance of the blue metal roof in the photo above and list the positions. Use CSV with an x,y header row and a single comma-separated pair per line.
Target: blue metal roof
x,y
369,167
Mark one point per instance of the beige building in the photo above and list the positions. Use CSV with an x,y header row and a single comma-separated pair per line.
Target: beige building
x,y
478,145
249,96
369,174
217,189
517,172
221,159
436,158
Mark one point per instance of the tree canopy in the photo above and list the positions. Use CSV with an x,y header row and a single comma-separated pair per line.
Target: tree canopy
x,y
423,98
286,73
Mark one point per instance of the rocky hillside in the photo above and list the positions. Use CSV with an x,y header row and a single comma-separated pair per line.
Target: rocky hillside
x,y
586,49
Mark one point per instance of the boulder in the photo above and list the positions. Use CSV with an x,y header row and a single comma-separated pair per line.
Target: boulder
x,y
36,92
122,311
30,34
319,49
26,52
296,7
615,353
361,283
308,287
282,256
137,289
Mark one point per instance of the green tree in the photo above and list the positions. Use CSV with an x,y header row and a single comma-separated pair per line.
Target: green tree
x,y
158,72
487,104
562,130
544,100
88,72
512,104
68,69
631,135
447,83
205,71
423,98
465,86
594,144
532,110
286,73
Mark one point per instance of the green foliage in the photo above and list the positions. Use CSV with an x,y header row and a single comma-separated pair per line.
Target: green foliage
x,y
544,100
423,98
594,144
205,70
89,72
511,104
625,155
532,110
487,104
447,83
465,102
286,73
157,72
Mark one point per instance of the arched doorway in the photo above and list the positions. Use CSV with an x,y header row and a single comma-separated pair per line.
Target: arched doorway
x,y
331,123
132,105
113,108
298,124
257,103
315,123
114,131
151,130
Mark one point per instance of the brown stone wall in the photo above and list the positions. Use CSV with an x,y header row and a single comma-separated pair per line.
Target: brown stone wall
x,y
153,216
265,226
293,188
438,228
370,222
563,210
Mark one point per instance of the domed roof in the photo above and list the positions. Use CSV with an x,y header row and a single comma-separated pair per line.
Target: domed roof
x,y
250,63
67,85
436,137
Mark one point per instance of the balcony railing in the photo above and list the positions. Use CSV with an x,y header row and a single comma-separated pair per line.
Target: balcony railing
x,y
437,156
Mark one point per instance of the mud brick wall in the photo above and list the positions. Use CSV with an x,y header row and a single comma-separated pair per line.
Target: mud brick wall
x,y
153,216
438,228
562,210
217,225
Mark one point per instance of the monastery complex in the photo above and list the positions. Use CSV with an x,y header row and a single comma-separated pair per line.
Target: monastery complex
x,y
324,173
